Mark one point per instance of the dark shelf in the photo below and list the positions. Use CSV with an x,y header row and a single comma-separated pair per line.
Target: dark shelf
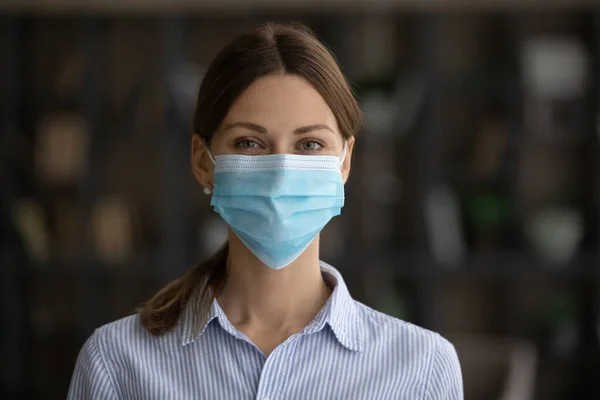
x,y
91,268
495,266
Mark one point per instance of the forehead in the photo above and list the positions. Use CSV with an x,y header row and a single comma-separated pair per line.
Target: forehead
x,y
281,102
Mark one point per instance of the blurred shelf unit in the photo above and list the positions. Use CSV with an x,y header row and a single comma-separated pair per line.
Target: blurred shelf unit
x,y
312,6
141,266
411,266
493,266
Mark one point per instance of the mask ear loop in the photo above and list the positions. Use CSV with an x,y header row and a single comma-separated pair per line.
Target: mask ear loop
x,y
207,150
207,189
343,157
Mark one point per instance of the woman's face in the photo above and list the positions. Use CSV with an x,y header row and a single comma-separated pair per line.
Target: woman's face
x,y
277,114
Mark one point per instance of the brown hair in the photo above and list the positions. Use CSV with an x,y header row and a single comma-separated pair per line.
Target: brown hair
x,y
270,49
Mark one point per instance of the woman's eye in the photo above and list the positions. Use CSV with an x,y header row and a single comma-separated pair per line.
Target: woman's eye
x,y
247,144
311,145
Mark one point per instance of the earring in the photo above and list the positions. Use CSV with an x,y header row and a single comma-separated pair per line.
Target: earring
x,y
207,190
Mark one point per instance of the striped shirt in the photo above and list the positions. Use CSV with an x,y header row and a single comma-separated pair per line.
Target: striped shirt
x,y
349,351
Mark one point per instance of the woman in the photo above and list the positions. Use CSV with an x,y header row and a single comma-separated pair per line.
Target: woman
x,y
264,318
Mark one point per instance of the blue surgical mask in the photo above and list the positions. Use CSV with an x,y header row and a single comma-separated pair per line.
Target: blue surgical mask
x,y
277,204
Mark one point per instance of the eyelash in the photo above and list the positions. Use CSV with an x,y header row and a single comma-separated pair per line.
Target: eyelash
x,y
238,143
320,143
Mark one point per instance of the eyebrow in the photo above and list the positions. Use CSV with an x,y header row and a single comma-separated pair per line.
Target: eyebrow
x,y
261,129
247,125
310,128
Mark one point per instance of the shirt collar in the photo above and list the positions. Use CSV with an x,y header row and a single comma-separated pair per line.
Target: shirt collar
x,y
191,325
339,313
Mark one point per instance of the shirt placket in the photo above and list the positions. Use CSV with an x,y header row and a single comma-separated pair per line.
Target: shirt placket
x,y
274,376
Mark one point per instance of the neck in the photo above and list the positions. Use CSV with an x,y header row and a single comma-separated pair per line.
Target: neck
x,y
282,300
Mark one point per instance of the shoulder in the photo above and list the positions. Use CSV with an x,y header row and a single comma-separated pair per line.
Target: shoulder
x,y
126,338
425,352
95,375
375,324
126,330
126,343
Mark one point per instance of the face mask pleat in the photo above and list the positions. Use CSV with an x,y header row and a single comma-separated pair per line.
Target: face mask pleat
x,y
277,183
281,207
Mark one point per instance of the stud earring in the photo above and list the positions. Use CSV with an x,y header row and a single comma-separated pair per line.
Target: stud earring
x,y
207,190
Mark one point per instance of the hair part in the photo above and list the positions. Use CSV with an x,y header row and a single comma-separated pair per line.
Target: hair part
x,y
271,49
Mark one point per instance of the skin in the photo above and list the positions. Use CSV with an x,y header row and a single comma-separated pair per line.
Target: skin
x,y
277,114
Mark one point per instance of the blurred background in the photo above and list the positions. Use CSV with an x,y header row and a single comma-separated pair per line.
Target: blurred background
x,y
473,208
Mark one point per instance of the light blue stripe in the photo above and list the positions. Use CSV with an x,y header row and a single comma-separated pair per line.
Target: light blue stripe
x,y
349,352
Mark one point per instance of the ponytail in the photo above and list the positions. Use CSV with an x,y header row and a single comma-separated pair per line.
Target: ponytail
x,y
161,313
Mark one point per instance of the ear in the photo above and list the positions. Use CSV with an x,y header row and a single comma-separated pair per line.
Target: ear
x,y
347,163
201,164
